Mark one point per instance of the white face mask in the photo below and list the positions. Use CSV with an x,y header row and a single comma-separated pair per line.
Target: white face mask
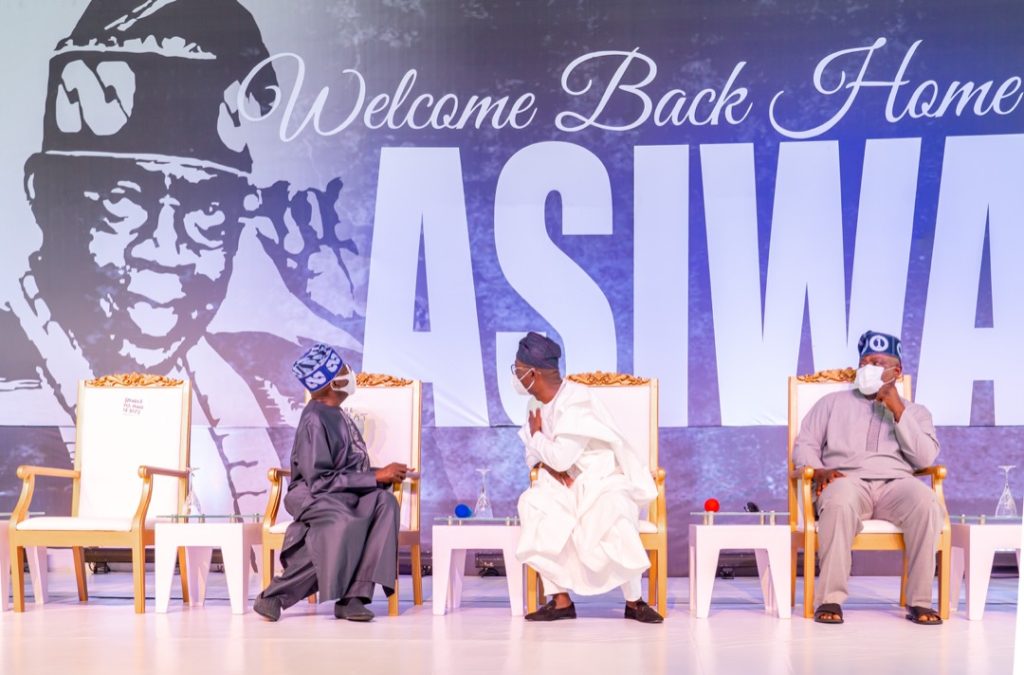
x,y
349,387
517,384
869,379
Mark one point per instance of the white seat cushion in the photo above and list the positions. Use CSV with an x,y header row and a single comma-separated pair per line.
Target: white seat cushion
x,y
647,527
68,523
870,527
279,528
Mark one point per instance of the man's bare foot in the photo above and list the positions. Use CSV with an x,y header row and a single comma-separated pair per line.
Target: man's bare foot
x,y
829,612
923,615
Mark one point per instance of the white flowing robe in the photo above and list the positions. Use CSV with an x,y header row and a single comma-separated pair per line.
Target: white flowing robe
x,y
584,538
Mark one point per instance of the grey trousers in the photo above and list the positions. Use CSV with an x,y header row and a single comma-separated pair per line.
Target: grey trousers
x,y
905,502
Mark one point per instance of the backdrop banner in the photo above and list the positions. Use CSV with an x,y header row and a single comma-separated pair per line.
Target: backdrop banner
x,y
716,194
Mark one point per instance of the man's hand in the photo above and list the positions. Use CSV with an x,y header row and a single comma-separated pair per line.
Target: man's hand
x,y
534,422
822,478
392,473
891,399
562,477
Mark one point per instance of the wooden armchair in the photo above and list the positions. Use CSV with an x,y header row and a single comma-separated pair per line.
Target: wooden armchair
x,y
877,535
130,429
390,409
633,403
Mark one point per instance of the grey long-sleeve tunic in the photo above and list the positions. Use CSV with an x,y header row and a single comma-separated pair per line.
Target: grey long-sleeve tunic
x,y
858,436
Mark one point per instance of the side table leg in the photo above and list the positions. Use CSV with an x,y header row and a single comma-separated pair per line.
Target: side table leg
x,y
441,577
514,579
5,570
979,560
236,572
457,574
692,599
764,576
37,567
164,554
198,564
707,565
779,566
956,577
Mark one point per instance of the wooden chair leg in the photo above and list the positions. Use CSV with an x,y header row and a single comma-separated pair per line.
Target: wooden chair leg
x,y
792,575
139,576
663,579
531,590
652,578
903,580
809,580
945,555
268,567
18,577
393,600
417,575
183,573
78,554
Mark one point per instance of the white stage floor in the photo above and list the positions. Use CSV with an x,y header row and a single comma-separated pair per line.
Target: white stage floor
x,y
106,636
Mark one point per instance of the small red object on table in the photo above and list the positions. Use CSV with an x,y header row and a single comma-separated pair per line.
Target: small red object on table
x,y
712,505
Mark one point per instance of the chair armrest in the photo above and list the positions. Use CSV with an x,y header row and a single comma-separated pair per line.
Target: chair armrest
x,y
146,473
27,474
802,478
937,472
660,514
150,471
276,477
276,474
534,474
802,473
25,470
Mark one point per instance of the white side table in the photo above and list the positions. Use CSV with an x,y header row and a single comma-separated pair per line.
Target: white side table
x,y
974,547
452,541
36,566
771,546
235,536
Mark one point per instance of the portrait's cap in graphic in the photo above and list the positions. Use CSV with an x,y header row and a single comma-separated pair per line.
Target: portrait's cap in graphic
x,y
156,80
539,351
872,342
318,366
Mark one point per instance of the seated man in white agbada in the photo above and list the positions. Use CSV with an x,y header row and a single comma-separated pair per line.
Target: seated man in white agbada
x,y
580,518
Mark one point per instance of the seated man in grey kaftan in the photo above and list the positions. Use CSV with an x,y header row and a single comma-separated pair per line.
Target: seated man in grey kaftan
x,y
864,446
344,538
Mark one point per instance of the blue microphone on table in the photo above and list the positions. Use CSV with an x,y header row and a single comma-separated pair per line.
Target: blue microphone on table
x,y
463,511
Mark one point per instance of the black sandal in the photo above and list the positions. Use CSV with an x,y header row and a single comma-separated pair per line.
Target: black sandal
x,y
828,608
917,615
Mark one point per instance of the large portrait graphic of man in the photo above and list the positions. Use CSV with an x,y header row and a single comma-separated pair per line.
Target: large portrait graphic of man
x,y
146,210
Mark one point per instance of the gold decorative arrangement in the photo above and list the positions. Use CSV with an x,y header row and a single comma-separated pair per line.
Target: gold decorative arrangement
x,y
133,380
834,375
379,380
600,378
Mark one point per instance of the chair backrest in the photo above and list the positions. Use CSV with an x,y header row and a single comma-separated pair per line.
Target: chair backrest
x,y
391,410
802,397
119,428
633,408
